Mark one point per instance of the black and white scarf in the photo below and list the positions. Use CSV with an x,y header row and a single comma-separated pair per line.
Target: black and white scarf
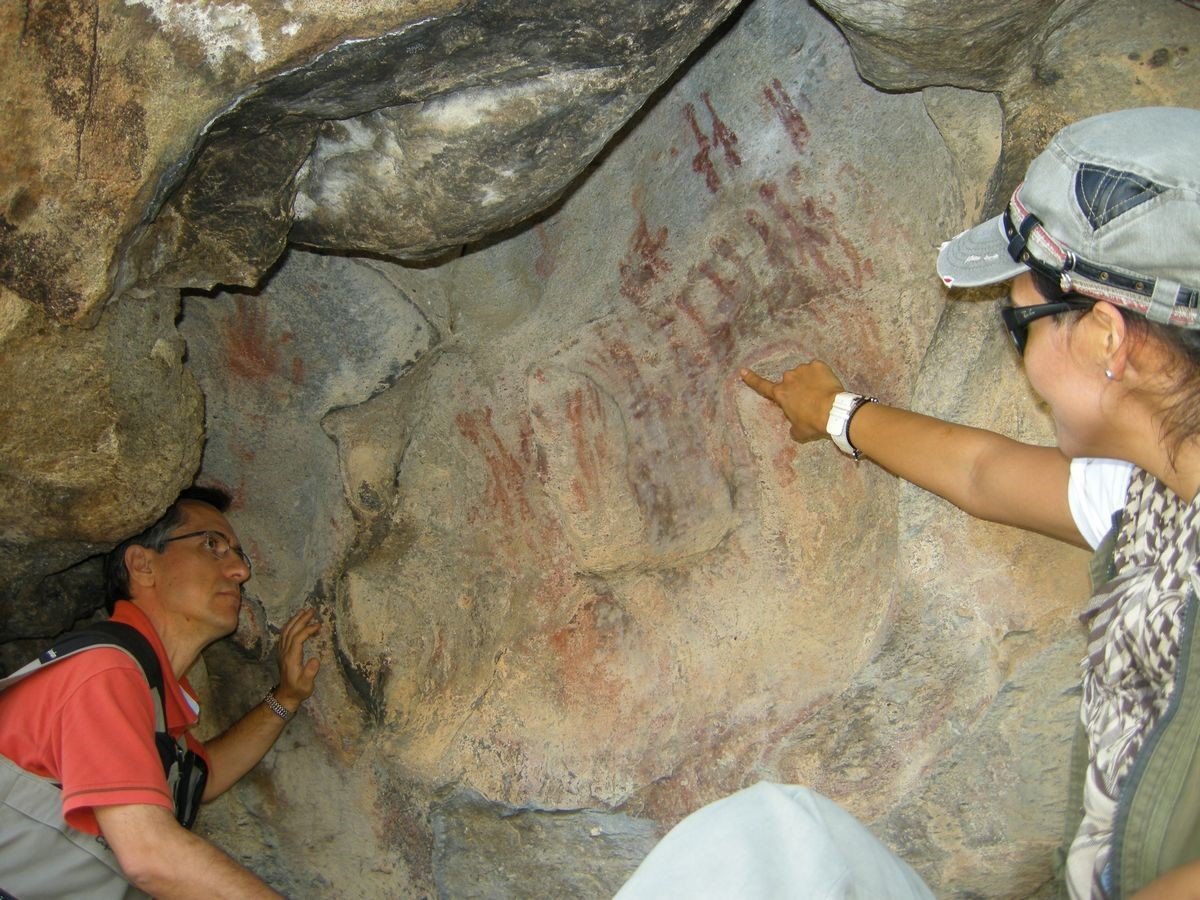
x,y
1134,624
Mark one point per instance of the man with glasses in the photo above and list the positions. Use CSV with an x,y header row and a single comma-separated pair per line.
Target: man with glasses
x,y
84,736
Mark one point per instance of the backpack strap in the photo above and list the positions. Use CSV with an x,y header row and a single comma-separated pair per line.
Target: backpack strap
x,y
103,634
186,771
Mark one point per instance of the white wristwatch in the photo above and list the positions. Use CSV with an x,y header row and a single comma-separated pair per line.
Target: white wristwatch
x,y
845,405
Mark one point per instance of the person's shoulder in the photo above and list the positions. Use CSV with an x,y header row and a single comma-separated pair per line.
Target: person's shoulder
x,y
96,663
102,659
89,683
1095,492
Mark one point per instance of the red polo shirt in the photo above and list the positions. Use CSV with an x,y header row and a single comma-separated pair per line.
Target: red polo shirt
x,y
88,723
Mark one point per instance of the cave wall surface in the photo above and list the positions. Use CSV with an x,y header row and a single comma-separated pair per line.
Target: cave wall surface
x,y
575,579
155,146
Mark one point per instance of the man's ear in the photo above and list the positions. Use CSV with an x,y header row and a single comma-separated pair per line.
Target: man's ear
x,y
139,564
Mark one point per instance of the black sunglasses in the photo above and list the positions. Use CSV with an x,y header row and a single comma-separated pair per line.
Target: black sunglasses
x,y
1017,318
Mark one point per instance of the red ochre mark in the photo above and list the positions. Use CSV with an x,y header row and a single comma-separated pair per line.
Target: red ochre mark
x,y
642,397
297,370
506,492
779,294
816,238
583,407
685,305
730,304
438,657
247,341
789,115
785,464
723,137
585,648
717,328
643,265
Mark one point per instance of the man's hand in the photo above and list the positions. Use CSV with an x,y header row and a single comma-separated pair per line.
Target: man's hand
x,y
297,676
240,748
805,394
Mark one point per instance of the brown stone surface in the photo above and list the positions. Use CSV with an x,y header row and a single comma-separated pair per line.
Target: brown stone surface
x,y
96,426
191,119
975,44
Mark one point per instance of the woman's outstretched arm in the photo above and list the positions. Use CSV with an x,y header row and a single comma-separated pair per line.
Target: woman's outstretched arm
x,y
983,473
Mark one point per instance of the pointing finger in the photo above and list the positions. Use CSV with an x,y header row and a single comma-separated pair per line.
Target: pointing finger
x,y
762,386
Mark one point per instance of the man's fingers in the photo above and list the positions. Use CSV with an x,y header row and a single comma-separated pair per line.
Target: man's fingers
x,y
762,386
301,621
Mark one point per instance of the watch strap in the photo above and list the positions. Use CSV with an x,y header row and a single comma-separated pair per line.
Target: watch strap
x,y
275,706
845,405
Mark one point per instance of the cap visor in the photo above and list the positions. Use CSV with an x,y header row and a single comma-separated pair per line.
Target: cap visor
x,y
977,257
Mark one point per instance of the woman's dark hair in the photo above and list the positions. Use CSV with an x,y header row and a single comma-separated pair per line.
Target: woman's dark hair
x,y
116,575
1181,419
1048,287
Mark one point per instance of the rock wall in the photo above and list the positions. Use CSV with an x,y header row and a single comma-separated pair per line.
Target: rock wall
x,y
154,146
575,579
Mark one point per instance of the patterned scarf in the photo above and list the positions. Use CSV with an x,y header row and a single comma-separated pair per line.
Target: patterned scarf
x,y
1134,623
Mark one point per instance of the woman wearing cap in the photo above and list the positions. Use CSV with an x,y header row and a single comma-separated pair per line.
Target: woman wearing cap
x,y
1101,243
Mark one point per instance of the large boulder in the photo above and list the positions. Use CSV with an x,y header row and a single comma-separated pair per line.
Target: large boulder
x,y
978,44
99,428
179,128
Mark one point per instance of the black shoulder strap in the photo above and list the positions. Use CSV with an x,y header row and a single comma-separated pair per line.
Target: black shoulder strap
x,y
124,636
103,634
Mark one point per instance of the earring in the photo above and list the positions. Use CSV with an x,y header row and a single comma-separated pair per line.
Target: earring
x,y
1108,374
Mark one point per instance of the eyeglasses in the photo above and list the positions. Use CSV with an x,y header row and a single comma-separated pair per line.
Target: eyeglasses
x,y
1017,318
216,544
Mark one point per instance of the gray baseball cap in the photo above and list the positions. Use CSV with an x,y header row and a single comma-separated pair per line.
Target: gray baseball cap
x,y
1111,208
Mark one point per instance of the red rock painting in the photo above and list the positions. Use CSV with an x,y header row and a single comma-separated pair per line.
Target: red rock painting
x,y
723,138
789,115
249,349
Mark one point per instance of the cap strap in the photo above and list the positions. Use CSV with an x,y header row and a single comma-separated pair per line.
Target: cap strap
x,y
1163,302
1020,236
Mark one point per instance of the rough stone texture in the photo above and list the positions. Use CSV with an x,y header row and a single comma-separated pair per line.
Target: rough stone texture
x,y
95,426
482,850
272,365
114,109
575,579
590,571
153,144
919,43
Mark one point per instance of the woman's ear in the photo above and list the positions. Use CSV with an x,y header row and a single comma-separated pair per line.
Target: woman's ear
x,y
1112,340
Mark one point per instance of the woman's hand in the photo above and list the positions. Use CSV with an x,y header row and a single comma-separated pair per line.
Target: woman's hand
x,y
805,394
